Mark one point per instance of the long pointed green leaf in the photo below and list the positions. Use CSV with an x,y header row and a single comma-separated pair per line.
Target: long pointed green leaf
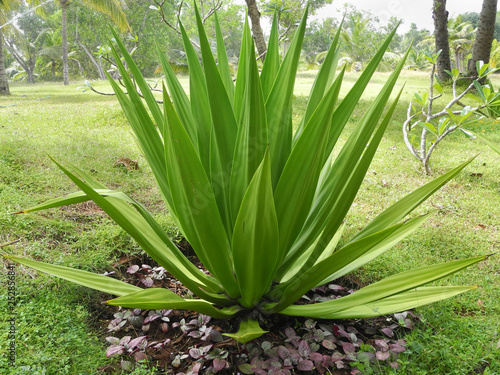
x,y
105,284
224,125
344,183
298,181
180,100
344,110
400,302
138,78
345,260
493,146
323,81
252,140
146,135
272,62
161,298
200,106
392,286
222,61
161,250
404,206
279,104
256,238
195,204
242,74
343,180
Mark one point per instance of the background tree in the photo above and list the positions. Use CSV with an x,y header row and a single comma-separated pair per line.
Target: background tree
x,y
25,41
473,19
5,7
257,33
484,38
440,16
461,36
112,8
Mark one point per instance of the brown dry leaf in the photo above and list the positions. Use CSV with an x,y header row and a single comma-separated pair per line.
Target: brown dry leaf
x,y
479,227
480,304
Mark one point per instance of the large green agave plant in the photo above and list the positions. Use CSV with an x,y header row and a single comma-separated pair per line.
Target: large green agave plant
x,y
262,205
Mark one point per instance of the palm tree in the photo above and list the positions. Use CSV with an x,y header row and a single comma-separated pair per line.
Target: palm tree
x,y
484,37
461,37
25,49
112,8
5,6
440,15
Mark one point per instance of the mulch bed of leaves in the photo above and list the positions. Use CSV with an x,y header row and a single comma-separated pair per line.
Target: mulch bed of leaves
x,y
184,342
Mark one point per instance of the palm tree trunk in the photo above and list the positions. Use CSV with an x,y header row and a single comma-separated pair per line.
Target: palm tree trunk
x,y
258,35
4,80
440,15
64,35
484,36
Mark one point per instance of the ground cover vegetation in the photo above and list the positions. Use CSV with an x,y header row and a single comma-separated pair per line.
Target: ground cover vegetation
x,y
364,276
458,336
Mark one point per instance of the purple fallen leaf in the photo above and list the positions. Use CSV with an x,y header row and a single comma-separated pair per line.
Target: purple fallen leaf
x,y
388,332
328,344
337,357
113,340
382,356
348,347
215,336
135,342
114,350
195,334
304,349
316,357
219,364
151,318
283,352
133,269
382,344
195,353
164,327
395,348
140,356
125,340
335,287
290,333
196,369
366,357
394,365
305,365
148,281
266,345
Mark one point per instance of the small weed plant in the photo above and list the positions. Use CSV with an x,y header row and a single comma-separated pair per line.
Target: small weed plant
x,y
425,127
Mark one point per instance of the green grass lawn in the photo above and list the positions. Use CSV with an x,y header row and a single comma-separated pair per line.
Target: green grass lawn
x,y
57,328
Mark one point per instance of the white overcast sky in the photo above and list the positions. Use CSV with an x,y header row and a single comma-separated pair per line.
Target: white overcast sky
x,y
416,11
